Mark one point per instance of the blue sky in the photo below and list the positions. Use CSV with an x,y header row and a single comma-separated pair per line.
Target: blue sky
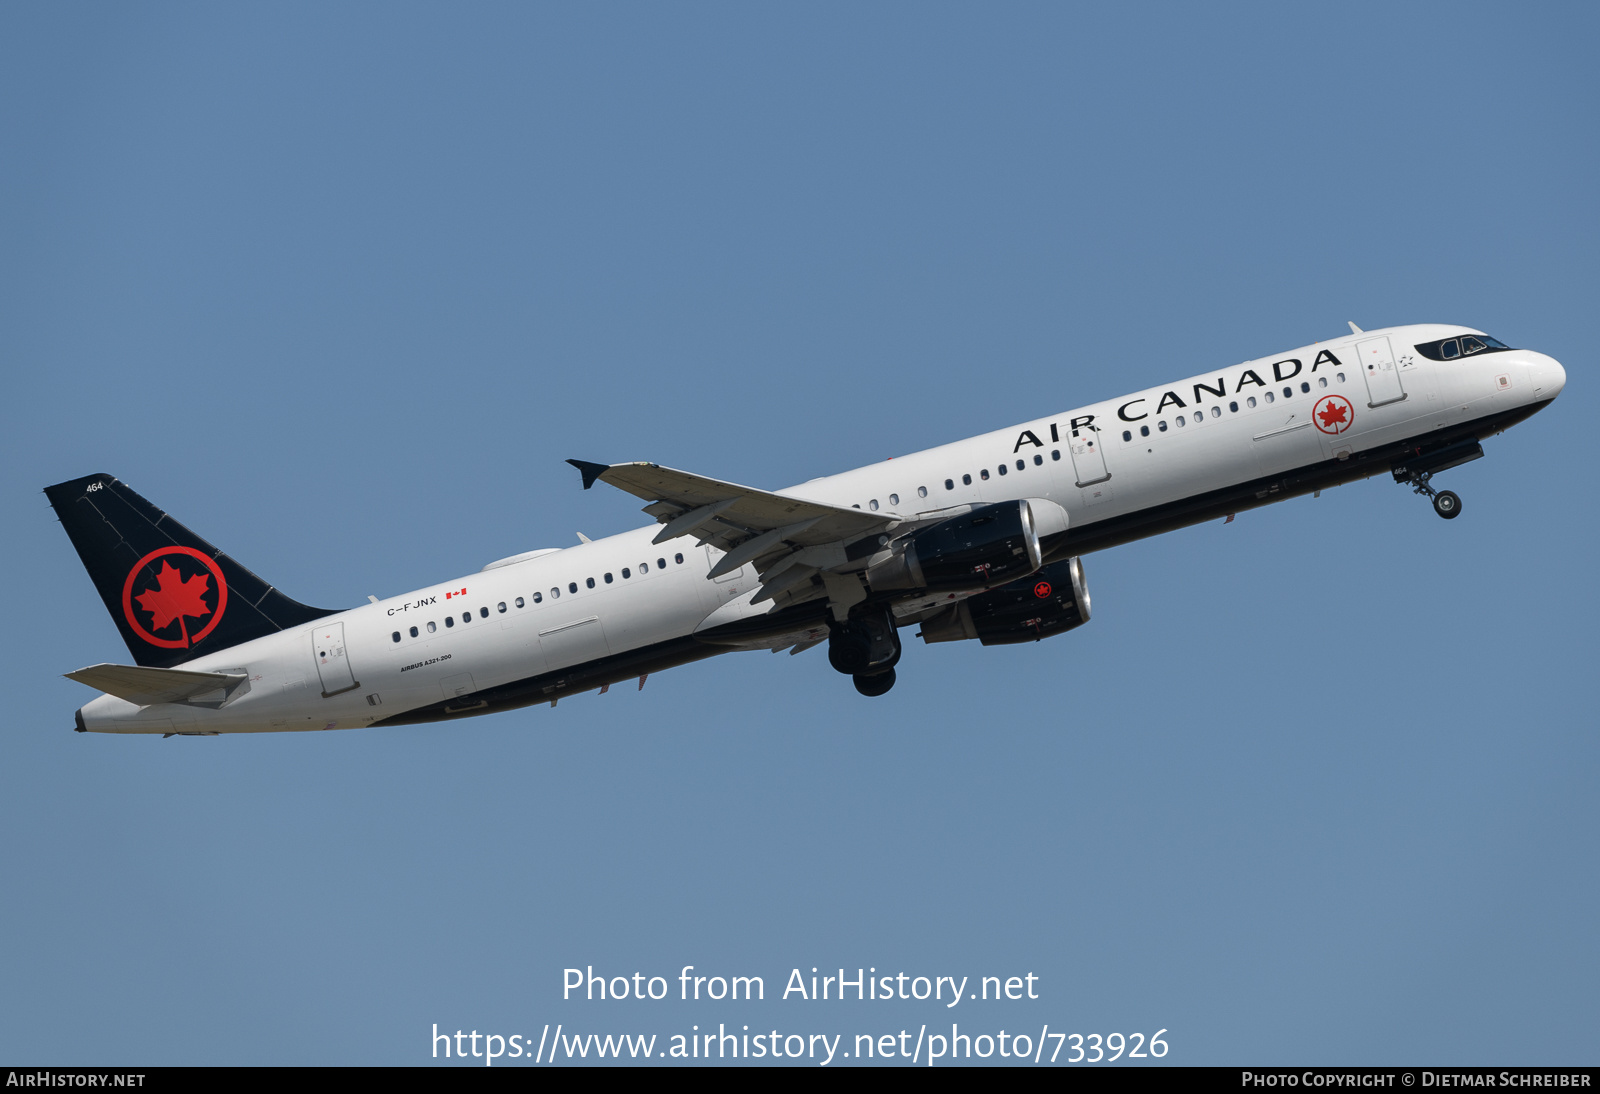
x,y
341,287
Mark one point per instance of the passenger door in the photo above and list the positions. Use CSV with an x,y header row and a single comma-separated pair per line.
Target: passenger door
x,y
327,645
1378,366
1089,464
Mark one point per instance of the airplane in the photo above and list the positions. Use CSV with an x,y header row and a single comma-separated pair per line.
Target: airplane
x,y
981,539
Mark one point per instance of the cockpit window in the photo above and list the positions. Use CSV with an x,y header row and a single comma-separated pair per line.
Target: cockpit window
x,y
1448,349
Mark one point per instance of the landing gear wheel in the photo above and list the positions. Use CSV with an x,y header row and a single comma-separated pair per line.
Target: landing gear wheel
x,y
1447,504
849,652
876,684
865,645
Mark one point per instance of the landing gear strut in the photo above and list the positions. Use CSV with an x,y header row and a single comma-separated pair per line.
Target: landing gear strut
x,y
1445,502
867,648
1421,467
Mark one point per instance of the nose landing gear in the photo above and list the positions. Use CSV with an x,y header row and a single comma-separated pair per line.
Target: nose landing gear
x,y
1420,469
1447,503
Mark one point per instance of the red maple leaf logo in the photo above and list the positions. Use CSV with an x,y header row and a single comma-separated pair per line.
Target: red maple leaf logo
x,y
1331,413
174,597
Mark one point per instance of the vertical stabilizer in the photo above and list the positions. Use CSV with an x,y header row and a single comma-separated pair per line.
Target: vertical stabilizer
x,y
172,595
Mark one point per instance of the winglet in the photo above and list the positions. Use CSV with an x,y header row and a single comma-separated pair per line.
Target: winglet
x,y
590,471
1355,329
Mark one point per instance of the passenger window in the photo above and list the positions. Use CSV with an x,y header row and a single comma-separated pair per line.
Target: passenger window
x,y
984,474
1038,460
413,632
661,564
432,626
1449,350
1251,401
678,558
449,620
873,505
466,617
894,499
1322,381
1233,408
966,480
1304,387
1182,421
572,586
949,484
588,582
608,579
1144,431
502,605
397,636
1021,465
626,573
1288,393
1002,469
1216,412
1161,426
521,603
484,612
922,491
1055,453
1341,377
1470,345
1127,434
555,594
1269,397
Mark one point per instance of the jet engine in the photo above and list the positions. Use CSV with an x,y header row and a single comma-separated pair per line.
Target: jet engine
x,y
987,546
1052,601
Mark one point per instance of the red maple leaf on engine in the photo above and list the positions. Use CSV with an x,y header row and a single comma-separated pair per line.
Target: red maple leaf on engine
x,y
1331,412
175,596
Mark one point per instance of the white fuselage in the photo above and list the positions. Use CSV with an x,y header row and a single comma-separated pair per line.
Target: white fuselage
x,y
524,619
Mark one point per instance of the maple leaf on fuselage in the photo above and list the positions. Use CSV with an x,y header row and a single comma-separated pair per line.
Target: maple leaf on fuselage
x,y
175,595
1332,414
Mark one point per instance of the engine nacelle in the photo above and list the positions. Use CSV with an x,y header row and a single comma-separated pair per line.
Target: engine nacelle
x,y
988,546
1052,601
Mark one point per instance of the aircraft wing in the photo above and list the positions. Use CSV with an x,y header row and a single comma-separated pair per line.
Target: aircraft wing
x,y
147,686
778,533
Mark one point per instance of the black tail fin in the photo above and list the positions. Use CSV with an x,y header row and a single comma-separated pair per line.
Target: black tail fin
x,y
173,595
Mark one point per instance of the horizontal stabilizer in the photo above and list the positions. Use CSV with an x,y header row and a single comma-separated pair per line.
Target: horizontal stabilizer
x,y
147,686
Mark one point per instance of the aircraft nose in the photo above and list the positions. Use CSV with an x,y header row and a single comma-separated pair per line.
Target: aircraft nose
x,y
1548,377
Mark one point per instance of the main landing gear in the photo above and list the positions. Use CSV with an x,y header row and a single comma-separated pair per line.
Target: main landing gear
x,y
875,685
1447,503
866,648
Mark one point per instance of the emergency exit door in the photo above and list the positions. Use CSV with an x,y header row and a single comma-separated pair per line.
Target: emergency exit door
x,y
327,644
1377,365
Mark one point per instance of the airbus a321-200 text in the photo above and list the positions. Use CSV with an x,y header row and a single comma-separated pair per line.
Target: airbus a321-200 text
x,y
979,539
